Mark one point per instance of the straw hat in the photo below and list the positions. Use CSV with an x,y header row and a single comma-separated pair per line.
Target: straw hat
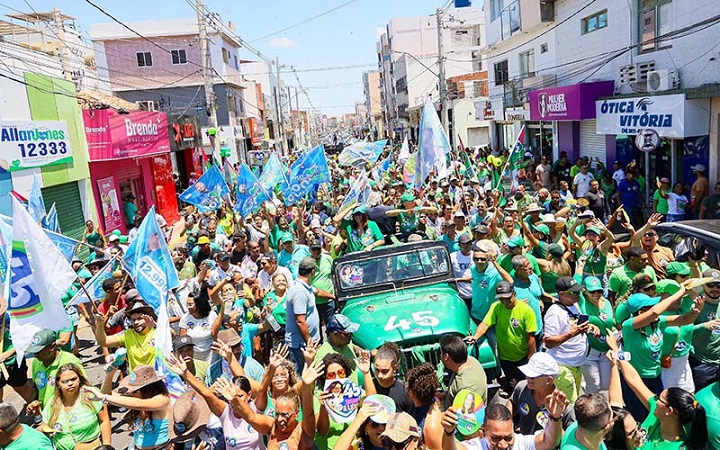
x,y
191,414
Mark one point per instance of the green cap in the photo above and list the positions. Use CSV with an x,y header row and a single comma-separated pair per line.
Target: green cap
x,y
669,287
407,197
286,237
542,228
360,210
677,268
40,340
123,239
595,230
116,232
515,241
592,284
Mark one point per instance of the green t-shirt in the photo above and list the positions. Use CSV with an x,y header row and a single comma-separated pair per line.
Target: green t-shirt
x,y
357,242
709,398
662,203
323,278
601,318
505,261
44,377
277,308
80,424
569,442
512,327
706,343
30,439
683,343
621,278
654,439
276,232
645,345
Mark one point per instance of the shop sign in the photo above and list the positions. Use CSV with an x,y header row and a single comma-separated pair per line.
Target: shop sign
x,y
664,113
184,133
574,102
24,145
110,204
257,157
517,114
114,136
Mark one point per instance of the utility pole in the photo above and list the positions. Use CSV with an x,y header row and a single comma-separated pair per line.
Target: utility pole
x,y
60,28
278,93
292,118
207,76
442,87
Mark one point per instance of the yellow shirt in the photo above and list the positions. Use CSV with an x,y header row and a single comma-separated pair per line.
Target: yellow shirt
x,y
140,347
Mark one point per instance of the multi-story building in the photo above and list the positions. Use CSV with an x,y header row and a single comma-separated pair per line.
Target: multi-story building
x,y
587,78
409,66
168,66
373,104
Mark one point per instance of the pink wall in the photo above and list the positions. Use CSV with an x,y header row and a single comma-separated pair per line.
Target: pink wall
x,y
115,169
121,57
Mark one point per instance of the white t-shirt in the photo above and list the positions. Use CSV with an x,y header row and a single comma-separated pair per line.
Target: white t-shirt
x,y
573,351
265,280
218,273
618,176
582,183
522,442
200,332
238,434
676,203
461,265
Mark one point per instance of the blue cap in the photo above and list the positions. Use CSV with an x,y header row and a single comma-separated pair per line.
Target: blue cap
x,y
638,301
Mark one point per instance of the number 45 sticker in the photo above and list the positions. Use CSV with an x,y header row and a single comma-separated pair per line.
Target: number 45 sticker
x,y
421,318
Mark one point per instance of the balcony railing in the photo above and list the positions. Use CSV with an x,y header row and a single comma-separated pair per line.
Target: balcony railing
x,y
510,19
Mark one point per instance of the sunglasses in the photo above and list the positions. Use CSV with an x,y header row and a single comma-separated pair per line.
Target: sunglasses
x,y
480,259
335,375
713,285
660,400
389,444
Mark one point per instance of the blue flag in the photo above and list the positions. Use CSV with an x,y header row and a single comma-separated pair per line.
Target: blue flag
x,y
50,221
208,191
358,153
36,206
67,245
249,193
5,255
380,171
273,174
359,192
94,285
148,261
433,146
306,174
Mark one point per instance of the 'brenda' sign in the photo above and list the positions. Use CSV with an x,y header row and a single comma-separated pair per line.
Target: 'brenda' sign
x,y
24,145
664,114
111,135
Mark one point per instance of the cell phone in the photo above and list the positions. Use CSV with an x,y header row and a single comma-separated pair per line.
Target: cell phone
x,y
624,356
582,318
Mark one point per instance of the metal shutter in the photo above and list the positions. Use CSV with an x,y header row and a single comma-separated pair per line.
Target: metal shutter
x,y
591,144
478,137
69,208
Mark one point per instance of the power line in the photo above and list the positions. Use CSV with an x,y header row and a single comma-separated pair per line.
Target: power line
x,y
302,22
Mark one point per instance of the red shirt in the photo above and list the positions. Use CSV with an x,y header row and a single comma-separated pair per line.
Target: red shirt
x,y
104,306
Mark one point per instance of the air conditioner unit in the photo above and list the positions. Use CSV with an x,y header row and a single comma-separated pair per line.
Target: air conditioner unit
x,y
661,80
635,73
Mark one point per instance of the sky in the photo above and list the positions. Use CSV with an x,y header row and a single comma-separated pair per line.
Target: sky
x,y
345,36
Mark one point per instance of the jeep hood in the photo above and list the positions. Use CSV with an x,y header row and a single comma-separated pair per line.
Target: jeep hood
x,y
408,317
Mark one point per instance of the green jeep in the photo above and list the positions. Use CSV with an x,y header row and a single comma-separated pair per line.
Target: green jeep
x,y
405,294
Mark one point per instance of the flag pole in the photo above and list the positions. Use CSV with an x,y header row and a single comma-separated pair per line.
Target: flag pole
x,y
92,302
3,369
507,163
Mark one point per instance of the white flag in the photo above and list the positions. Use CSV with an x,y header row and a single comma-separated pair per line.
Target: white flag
x,y
40,275
404,151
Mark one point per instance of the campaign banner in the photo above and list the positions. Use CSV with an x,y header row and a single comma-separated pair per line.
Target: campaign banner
x,y
344,401
110,203
111,135
27,144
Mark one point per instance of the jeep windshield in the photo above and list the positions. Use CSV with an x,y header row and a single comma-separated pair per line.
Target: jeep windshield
x,y
392,269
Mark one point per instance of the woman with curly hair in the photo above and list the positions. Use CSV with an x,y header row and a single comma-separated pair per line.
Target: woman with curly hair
x,y
71,419
422,385
197,323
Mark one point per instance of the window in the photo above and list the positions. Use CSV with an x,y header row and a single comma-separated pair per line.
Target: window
x,y
235,60
144,59
655,21
476,62
178,57
232,107
501,73
510,18
594,22
495,7
527,64
226,55
543,48
148,105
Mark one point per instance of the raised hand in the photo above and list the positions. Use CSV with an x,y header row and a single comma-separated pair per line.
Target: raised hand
x,y
367,410
310,351
91,393
222,349
655,220
363,361
556,403
175,365
449,420
311,372
278,356
225,388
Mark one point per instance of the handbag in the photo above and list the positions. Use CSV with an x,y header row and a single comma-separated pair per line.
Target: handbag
x,y
666,361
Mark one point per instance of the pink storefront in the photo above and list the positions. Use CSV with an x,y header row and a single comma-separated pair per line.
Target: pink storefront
x,y
130,156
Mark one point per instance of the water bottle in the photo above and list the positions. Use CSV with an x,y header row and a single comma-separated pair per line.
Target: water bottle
x,y
272,322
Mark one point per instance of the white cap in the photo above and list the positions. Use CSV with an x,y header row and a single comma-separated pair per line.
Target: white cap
x,y
540,364
315,223
698,167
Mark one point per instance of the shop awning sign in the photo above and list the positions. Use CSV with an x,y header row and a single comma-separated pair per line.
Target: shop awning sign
x,y
27,144
664,113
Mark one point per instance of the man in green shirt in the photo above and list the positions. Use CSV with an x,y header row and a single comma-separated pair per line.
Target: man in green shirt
x,y
322,282
184,348
48,359
339,330
594,419
621,278
17,436
709,398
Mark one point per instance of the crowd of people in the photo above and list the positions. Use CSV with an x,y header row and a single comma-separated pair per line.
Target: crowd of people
x,y
602,341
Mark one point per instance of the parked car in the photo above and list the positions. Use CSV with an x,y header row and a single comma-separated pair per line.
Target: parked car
x,y
706,231
405,294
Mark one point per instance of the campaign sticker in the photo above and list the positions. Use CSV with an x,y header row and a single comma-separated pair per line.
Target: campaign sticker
x,y
351,275
382,402
470,411
344,401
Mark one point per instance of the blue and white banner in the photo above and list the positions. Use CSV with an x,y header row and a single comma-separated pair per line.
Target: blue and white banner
x,y
433,146
94,285
359,192
273,174
358,153
67,245
249,194
50,221
306,174
208,191
36,205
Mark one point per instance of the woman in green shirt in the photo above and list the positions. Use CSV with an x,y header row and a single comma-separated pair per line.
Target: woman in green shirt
x,y
362,233
674,421
591,245
70,419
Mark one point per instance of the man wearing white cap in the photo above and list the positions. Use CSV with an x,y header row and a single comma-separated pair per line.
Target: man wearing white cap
x,y
700,188
527,400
